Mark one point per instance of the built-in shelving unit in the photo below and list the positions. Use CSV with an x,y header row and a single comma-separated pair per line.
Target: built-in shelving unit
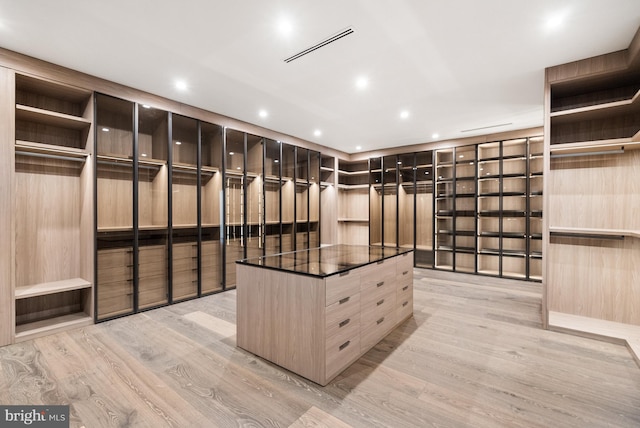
x,y
353,202
53,187
591,227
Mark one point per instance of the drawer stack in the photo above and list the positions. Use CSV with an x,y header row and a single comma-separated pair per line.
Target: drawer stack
x,y
211,267
378,291
342,320
404,287
115,276
185,270
152,281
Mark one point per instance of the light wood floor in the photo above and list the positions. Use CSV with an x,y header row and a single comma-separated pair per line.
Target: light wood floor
x,y
473,355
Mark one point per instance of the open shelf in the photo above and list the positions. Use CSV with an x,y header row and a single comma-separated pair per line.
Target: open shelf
x,y
45,288
51,325
597,146
597,111
355,220
48,149
52,118
578,231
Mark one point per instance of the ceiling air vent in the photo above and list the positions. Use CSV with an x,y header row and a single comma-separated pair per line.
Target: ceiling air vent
x,y
487,127
320,44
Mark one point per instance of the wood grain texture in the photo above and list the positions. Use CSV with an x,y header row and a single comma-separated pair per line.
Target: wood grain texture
x,y
7,219
474,354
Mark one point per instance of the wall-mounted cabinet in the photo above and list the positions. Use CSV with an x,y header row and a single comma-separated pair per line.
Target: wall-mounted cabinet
x,y
53,192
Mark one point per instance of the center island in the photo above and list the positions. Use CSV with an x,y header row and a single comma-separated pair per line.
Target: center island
x,y
315,312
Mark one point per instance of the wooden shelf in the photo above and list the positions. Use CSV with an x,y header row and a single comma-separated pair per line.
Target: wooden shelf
x,y
598,329
47,117
597,146
52,325
353,172
353,220
598,111
48,149
353,186
594,231
45,288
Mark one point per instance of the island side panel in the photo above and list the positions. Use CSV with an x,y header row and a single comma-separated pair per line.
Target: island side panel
x,y
281,317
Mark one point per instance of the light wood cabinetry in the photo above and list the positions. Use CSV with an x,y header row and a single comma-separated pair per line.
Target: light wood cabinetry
x,y
591,190
353,202
316,327
53,194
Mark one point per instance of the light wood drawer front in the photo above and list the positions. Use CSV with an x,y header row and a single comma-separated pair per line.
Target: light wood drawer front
x,y
347,332
152,291
152,252
339,356
374,292
403,293
189,264
375,273
117,257
184,290
404,309
210,248
115,274
372,333
185,251
404,263
378,308
187,276
341,286
342,314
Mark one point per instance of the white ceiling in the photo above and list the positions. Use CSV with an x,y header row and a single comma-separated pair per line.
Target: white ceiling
x,y
453,65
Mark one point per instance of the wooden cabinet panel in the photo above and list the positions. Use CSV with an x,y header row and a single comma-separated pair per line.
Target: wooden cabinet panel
x,y
342,286
342,315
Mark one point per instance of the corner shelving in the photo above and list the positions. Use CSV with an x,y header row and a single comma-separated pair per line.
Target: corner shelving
x,y
353,202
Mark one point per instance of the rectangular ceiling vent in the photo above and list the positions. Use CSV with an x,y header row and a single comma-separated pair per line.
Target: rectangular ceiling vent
x,y
324,42
486,127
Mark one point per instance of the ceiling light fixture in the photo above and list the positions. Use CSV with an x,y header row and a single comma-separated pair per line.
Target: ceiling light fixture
x,y
178,143
358,147
146,106
317,132
181,85
404,114
285,27
263,113
105,129
435,135
362,82
231,153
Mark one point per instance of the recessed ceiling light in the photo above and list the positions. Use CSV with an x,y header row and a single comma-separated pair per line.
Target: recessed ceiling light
x,y
105,129
317,132
181,85
399,162
434,136
362,82
285,27
231,153
263,113
146,106
276,160
460,156
178,143
358,147
556,20
404,114
144,155
238,167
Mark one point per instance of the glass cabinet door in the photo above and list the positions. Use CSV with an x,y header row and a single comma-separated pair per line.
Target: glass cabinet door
x,y
153,203
114,199
314,199
210,205
424,209
234,203
302,199
254,196
272,197
184,207
390,201
375,201
288,195
406,200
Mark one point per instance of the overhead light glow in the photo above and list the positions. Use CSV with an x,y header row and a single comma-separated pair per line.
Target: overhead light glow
x,y
276,160
144,155
434,136
181,85
231,153
556,20
404,114
263,113
178,143
358,147
146,106
362,82
285,27
105,129
317,132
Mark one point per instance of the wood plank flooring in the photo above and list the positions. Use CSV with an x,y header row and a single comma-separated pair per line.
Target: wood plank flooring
x,y
474,354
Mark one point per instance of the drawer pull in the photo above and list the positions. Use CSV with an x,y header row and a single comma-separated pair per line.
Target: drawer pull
x,y
380,284
405,288
380,320
345,273
405,272
344,300
380,302
405,303
344,345
345,322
